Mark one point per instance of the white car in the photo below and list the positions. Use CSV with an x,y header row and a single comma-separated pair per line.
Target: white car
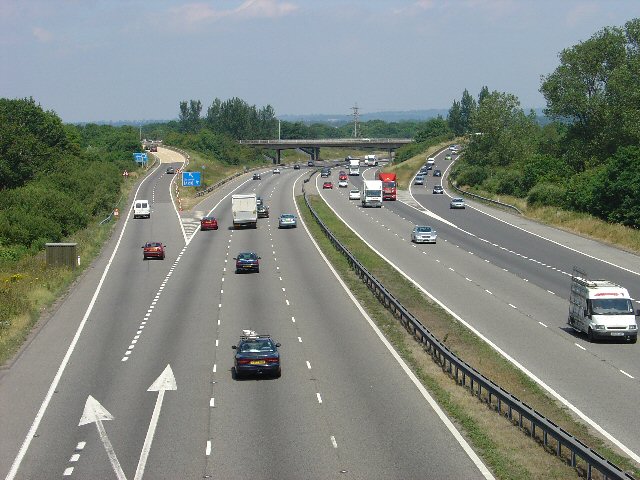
x,y
423,234
276,170
287,220
354,195
343,184
457,203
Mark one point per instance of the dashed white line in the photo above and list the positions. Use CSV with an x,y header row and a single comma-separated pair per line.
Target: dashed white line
x,y
333,442
300,339
550,292
543,324
488,291
308,365
215,367
625,373
451,269
579,346
74,457
80,446
319,397
207,451
217,340
512,305
287,302
468,279
212,402
68,471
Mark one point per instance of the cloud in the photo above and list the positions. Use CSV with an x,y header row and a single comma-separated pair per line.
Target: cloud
x,y
42,35
194,14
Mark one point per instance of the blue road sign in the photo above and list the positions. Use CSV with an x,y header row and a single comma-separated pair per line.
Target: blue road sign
x,y
140,157
190,179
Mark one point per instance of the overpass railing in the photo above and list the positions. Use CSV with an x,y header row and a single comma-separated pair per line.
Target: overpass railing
x,y
328,141
497,398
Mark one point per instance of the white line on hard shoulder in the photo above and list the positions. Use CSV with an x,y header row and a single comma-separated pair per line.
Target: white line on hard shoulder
x,y
579,346
625,373
527,372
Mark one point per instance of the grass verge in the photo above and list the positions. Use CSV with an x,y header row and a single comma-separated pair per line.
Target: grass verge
x,y
505,448
406,170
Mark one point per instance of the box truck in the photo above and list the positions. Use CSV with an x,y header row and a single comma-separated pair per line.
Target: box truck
x,y
371,160
354,166
245,210
601,309
372,193
388,185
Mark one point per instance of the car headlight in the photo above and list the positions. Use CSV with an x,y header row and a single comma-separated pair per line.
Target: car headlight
x,y
600,327
633,327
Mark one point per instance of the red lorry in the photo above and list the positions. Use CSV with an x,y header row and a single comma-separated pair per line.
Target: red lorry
x,y
388,185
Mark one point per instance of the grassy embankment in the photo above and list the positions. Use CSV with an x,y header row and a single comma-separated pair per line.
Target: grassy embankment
x,y
509,452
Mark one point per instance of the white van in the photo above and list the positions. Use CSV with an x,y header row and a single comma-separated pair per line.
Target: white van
x,y
141,209
601,309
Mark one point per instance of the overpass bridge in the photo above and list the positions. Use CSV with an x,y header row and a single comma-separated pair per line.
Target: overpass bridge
x,y
312,147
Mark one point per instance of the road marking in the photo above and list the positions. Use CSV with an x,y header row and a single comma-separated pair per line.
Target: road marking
x,y
550,292
451,269
68,471
215,367
512,305
468,279
74,457
308,365
207,450
319,397
488,291
217,342
625,373
80,446
287,302
543,325
333,442
579,346
212,402
300,339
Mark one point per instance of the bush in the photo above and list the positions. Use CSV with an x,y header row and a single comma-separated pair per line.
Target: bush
x,y
547,194
470,175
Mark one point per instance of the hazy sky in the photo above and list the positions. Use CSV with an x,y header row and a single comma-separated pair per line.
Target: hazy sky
x,y
92,60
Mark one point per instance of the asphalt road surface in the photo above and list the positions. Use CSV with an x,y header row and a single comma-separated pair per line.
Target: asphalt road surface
x,y
131,377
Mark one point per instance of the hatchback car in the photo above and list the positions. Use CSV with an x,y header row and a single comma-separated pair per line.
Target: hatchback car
x,y
343,177
437,173
296,167
457,203
256,355
263,211
438,189
325,173
354,195
287,220
153,250
343,184
327,185
448,157
310,163
423,234
257,176
276,170
247,262
419,180
208,223
171,170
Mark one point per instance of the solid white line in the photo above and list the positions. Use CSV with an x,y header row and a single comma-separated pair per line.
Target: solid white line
x,y
319,397
625,373
527,372
579,346
207,451
456,434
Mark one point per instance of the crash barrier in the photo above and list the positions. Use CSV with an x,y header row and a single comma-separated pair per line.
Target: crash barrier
x,y
498,399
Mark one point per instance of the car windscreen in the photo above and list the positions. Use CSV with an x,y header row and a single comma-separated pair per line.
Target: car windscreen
x,y
255,346
388,184
374,193
246,256
423,229
611,306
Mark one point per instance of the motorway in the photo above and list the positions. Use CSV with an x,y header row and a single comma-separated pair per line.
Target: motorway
x,y
131,376
508,279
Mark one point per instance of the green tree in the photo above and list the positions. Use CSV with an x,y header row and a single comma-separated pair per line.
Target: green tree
x,y
484,93
455,120
467,109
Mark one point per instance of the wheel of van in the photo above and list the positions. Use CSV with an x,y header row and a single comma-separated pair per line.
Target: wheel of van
x,y
633,340
590,336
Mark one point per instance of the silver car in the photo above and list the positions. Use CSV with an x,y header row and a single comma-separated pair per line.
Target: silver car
x,y
423,234
287,220
457,203
419,180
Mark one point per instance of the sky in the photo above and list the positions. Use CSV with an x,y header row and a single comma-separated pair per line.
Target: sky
x,y
112,60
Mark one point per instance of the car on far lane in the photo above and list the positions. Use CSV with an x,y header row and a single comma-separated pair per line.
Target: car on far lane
x,y
256,355
354,195
247,262
438,189
327,185
448,157
171,170
153,250
457,203
419,180
343,184
310,163
257,176
276,170
423,234
287,220
263,211
296,167
437,173
208,223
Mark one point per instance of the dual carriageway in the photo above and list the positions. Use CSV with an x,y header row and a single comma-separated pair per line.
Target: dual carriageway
x,y
345,406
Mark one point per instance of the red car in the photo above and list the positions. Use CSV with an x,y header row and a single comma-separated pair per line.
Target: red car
x,y
343,176
327,185
153,250
208,223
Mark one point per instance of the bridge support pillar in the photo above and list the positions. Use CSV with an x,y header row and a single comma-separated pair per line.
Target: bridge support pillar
x,y
277,159
390,154
316,153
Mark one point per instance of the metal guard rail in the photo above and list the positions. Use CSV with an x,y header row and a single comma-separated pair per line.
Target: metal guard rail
x,y
494,395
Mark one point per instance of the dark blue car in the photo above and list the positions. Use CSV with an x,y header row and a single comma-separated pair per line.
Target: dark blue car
x,y
256,355
247,262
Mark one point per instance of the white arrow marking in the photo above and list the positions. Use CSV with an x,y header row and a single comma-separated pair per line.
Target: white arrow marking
x,y
166,381
94,412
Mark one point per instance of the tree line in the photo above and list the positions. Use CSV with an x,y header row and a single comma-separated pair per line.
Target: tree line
x,y
55,178
587,158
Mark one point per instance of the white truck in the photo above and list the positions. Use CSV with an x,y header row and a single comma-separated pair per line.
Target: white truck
x,y
371,160
354,166
601,309
245,210
372,193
